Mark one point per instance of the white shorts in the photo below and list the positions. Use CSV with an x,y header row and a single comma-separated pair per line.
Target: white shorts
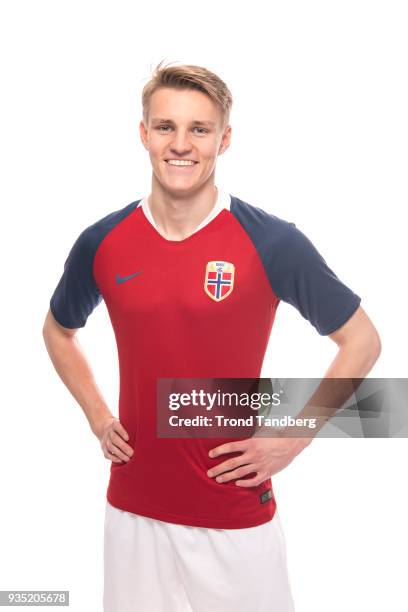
x,y
154,566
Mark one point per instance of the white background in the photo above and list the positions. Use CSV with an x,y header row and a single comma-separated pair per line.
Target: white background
x,y
319,137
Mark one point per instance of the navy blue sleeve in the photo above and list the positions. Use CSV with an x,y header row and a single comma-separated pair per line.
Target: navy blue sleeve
x,y
77,294
297,272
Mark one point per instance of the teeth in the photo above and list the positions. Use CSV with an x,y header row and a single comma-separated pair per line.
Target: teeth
x,y
180,162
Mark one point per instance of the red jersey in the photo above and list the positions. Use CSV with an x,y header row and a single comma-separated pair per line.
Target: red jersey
x,y
170,321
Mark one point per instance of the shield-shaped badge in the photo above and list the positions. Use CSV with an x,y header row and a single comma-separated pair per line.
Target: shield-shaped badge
x,y
219,279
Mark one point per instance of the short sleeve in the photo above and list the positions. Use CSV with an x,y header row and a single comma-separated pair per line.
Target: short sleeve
x,y
297,272
77,294
300,276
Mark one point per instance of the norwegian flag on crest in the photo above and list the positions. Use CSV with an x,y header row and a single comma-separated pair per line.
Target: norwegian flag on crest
x,y
219,279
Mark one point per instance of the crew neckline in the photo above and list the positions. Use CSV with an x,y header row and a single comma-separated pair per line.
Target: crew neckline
x,y
223,203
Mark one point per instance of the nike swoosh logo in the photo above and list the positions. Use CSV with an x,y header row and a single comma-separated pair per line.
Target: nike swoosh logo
x,y
123,279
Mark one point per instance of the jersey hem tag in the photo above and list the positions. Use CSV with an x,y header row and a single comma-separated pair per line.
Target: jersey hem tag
x,y
266,496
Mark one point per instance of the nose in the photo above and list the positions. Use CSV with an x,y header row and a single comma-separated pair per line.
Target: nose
x,y
180,143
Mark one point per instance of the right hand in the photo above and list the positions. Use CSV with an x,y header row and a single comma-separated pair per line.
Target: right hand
x,y
112,436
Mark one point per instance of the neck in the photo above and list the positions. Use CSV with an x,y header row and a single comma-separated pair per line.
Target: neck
x,y
177,216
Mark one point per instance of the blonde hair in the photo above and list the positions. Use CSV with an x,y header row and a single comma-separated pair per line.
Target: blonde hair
x,y
187,76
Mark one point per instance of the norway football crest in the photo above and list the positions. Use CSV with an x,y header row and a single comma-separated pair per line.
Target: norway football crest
x,y
219,279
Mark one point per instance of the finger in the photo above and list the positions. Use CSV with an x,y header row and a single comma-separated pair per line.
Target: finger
x,y
251,482
238,473
111,457
119,442
114,450
118,427
229,447
226,466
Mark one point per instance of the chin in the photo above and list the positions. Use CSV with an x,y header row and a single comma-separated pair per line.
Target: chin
x,y
180,185
179,189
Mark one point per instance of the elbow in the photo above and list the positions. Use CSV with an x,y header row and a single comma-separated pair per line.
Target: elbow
x,y
376,346
373,342
371,349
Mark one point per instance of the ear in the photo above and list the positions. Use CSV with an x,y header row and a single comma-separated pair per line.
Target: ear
x,y
225,140
143,135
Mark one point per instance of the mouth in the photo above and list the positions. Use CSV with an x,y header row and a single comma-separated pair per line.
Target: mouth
x,y
179,164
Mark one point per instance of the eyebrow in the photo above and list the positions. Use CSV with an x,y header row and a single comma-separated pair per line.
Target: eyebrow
x,y
195,122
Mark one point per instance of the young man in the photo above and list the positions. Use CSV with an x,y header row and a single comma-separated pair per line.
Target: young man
x,y
191,277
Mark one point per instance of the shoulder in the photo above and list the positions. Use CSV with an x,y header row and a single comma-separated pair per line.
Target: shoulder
x,y
77,293
283,248
256,216
264,228
90,237
296,270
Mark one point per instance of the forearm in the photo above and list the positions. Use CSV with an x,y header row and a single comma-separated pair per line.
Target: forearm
x,y
350,366
74,370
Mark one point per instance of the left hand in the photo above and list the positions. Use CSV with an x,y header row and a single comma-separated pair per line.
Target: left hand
x,y
264,456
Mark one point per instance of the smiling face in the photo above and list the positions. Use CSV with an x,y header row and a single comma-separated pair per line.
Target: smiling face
x,y
184,136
